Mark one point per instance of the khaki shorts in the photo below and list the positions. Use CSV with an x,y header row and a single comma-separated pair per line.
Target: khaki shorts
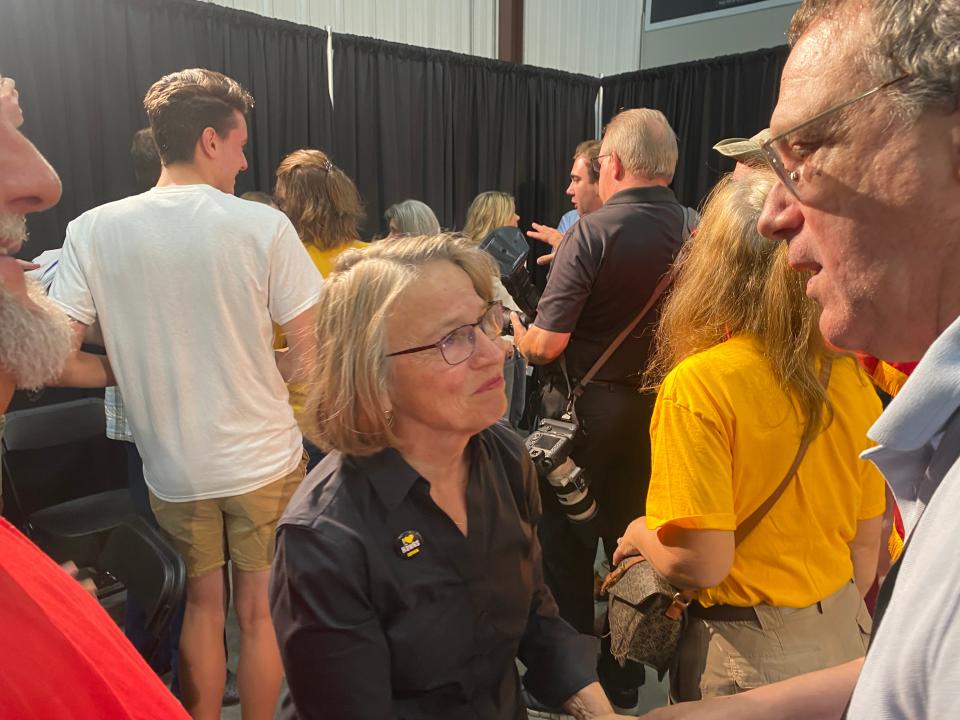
x,y
197,526
725,658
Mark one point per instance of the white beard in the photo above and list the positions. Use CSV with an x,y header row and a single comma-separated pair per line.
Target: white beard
x,y
35,338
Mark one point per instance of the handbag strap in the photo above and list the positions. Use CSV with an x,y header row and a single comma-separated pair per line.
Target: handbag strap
x,y
661,287
747,526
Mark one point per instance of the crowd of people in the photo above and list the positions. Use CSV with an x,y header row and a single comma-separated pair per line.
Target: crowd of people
x,y
337,420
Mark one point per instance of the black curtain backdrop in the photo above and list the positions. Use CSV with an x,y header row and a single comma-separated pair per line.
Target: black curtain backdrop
x,y
408,122
705,101
83,67
441,127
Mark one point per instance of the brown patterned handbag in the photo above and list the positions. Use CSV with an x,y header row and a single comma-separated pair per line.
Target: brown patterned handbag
x,y
646,612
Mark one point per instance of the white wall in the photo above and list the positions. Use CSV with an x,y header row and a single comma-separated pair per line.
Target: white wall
x,y
591,37
464,26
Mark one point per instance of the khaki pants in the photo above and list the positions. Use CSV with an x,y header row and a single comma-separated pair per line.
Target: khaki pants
x,y
197,527
724,658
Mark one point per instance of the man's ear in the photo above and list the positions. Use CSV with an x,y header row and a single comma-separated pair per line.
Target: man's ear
x,y
209,142
618,171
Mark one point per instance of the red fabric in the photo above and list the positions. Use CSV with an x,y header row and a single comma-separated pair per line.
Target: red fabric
x,y
61,656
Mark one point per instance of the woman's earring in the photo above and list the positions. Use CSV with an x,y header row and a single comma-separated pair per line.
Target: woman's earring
x,y
388,415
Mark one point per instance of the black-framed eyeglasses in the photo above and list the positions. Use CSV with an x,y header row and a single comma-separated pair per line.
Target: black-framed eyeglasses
x,y
458,345
790,177
595,163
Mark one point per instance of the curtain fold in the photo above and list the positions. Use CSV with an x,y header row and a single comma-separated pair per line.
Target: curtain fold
x,y
408,122
82,69
704,101
441,127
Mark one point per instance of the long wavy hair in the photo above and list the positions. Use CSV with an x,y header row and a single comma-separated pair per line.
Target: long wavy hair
x,y
319,198
730,280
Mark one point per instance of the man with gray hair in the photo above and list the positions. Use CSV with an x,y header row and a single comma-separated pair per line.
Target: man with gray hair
x,y
866,141
604,273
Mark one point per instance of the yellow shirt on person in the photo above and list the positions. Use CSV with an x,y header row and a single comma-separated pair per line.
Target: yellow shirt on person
x,y
723,436
325,260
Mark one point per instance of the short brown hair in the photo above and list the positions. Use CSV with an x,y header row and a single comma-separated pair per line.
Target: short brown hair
x,y
182,105
319,198
344,408
588,150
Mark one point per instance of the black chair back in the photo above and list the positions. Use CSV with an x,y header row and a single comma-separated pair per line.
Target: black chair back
x,y
140,557
57,453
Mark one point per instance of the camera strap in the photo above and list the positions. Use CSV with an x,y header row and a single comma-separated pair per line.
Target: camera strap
x,y
581,385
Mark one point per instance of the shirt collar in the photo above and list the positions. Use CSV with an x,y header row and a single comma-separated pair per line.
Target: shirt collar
x,y
928,399
390,475
392,478
649,193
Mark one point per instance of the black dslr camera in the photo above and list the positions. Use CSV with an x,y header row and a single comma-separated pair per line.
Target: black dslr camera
x,y
509,249
549,447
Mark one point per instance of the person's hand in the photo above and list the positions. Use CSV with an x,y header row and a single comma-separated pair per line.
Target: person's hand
x,y
519,329
28,265
87,584
550,236
629,544
545,233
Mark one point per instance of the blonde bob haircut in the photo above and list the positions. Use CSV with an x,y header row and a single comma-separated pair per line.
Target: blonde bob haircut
x,y
731,281
345,407
488,211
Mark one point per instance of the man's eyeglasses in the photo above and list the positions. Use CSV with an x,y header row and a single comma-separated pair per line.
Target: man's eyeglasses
x,y
772,153
458,345
595,163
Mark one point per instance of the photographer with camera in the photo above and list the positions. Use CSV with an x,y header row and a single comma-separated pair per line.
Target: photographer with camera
x,y
604,274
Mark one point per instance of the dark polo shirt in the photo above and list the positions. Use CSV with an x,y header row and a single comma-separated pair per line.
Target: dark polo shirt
x,y
604,273
384,609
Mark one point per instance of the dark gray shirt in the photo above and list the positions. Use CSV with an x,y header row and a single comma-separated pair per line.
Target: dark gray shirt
x,y
605,272
384,609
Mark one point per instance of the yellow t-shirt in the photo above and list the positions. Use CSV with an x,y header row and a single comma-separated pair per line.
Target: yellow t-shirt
x,y
325,260
723,436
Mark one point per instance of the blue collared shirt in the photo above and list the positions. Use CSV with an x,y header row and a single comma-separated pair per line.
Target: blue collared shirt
x,y
913,668
567,221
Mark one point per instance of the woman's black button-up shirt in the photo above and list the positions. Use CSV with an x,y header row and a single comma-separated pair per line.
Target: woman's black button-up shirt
x,y
374,625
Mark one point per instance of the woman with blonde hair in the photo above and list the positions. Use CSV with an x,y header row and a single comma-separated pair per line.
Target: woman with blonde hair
x,y
322,203
488,211
407,577
746,388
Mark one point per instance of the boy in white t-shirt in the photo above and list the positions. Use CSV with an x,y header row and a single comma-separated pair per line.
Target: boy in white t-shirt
x,y
186,281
